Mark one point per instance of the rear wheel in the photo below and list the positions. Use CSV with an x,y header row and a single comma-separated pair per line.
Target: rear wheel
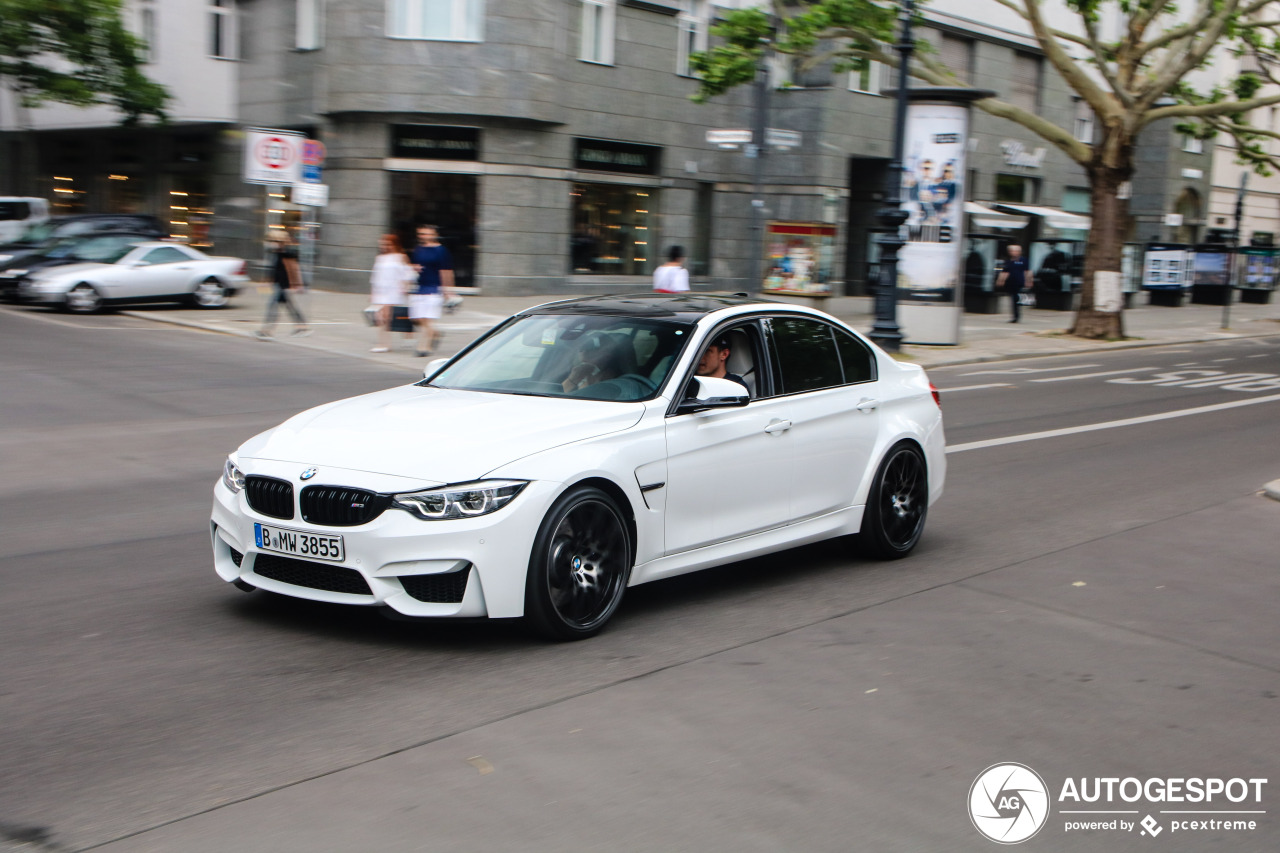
x,y
210,294
83,299
579,567
897,505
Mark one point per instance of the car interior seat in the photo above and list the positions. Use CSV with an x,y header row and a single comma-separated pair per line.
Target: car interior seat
x,y
742,359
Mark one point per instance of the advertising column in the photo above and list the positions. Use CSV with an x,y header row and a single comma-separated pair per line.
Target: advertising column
x,y
929,274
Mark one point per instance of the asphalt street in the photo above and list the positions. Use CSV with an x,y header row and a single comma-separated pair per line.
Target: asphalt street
x,y
1097,601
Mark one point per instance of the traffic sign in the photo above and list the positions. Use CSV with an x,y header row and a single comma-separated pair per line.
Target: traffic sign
x,y
313,153
272,156
728,138
311,174
311,195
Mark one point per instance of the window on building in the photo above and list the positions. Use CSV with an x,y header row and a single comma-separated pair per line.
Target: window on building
x,y
222,29
614,230
957,54
1083,128
147,32
866,79
598,17
1077,200
441,20
310,25
1017,189
692,24
1192,145
1024,88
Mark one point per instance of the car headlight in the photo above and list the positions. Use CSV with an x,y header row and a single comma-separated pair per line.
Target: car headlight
x,y
465,500
232,477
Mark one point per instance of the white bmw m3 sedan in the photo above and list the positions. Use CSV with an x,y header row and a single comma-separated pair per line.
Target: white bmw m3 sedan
x,y
583,447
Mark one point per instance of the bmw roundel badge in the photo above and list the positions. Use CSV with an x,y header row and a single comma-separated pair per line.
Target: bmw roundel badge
x,y
307,474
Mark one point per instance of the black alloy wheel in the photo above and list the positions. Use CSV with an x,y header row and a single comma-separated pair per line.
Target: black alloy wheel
x,y
83,299
897,505
579,567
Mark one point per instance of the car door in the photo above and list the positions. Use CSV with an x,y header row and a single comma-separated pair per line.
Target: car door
x,y
728,469
162,271
827,377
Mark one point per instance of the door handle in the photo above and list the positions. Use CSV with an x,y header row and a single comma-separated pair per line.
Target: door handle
x,y
866,405
777,427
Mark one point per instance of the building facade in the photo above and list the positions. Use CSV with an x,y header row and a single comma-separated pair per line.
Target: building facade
x,y
553,142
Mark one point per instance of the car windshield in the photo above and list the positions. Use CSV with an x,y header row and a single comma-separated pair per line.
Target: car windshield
x,y
571,355
104,250
41,232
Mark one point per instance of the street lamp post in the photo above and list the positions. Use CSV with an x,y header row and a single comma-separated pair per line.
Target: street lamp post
x,y
885,332
756,150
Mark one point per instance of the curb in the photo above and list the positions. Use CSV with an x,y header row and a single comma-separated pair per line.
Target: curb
x,y
1272,490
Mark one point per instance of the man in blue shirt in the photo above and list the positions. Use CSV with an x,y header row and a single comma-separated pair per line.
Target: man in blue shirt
x,y
1013,277
435,281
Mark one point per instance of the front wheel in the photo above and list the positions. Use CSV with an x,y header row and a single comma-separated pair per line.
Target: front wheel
x,y
210,294
83,299
897,505
579,567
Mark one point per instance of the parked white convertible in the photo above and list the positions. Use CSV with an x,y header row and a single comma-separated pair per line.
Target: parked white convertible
x,y
575,450
141,272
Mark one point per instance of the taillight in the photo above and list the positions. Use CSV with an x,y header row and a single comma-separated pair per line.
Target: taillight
x,y
244,266
933,389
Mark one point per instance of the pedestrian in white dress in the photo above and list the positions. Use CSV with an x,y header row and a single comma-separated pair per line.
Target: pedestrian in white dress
x,y
672,277
388,283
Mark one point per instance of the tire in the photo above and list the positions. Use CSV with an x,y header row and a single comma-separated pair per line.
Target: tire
x,y
84,299
210,293
579,567
897,504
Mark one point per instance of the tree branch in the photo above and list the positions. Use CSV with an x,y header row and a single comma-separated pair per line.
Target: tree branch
x,y
1174,68
1218,108
1071,72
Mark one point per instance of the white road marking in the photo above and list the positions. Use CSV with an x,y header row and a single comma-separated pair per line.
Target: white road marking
x,y
1091,375
976,387
1145,419
1259,355
1022,370
1221,360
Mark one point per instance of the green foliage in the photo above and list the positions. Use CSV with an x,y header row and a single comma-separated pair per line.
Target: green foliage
x,y
76,52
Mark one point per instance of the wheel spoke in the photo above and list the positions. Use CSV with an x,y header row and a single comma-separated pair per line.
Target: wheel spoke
x,y
585,563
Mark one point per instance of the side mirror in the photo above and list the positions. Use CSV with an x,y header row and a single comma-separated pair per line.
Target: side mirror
x,y
432,366
709,392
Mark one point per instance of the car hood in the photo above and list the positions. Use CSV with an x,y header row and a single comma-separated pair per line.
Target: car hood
x,y
435,434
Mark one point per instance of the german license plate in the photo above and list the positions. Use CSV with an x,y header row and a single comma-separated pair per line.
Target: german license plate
x,y
299,543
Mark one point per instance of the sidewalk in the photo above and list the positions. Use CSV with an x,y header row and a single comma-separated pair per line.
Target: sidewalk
x,y
340,327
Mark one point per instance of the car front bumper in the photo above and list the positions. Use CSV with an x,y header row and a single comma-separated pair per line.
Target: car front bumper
x,y
457,568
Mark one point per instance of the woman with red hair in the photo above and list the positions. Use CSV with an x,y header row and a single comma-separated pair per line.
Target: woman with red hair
x,y
391,275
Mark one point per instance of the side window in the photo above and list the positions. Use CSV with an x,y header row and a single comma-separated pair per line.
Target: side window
x,y
164,256
856,358
806,355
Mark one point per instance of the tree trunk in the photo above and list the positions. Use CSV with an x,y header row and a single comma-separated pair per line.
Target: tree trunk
x,y
1101,297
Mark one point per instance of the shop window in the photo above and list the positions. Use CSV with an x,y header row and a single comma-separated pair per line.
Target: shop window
x,y
612,230
1024,88
440,20
446,201
598,18
957,54
692,25
1192,144
309,33
1077,200
222,29
1017,189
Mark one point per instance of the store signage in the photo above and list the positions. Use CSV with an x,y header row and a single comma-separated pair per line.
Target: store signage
x,y
272,156
604,156
435,142
1016,154
728,138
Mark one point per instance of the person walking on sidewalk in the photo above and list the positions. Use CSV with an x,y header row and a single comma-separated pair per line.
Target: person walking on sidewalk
x,y
672,277
390,279
288,285
434,266
1013,278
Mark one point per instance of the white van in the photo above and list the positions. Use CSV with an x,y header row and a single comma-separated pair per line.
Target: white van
x,y
17,213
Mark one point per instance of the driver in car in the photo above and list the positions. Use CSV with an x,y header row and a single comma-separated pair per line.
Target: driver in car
x,y
600,358
715,359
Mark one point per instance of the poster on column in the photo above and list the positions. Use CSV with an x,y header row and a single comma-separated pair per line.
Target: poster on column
x,y
933,188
